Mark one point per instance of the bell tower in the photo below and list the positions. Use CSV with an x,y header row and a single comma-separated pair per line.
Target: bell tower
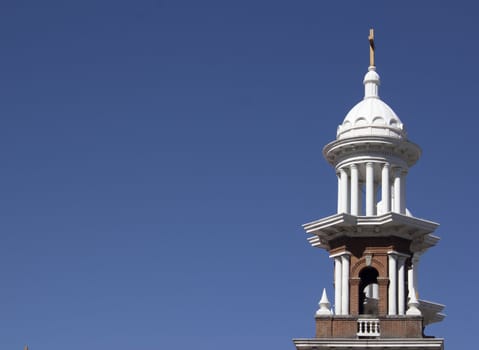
x,y
374,241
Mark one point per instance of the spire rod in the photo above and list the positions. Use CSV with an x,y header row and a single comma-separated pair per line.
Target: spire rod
x,y
371,47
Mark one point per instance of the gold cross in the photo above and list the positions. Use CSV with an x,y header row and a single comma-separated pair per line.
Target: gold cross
x,y
371,47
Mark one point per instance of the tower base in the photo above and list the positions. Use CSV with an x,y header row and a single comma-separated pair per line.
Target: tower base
x,y
367,326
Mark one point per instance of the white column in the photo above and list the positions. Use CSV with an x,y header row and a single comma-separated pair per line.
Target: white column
x,y
415,265
337,285
360,199
397,190
402,208
368,291
370,189
413,304
354,190
376,291
410,283
401,287
344,191
393,199
375,207
385,189
392,301
345,285
340,206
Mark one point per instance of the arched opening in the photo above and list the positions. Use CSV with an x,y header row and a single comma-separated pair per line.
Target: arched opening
x,y
368,291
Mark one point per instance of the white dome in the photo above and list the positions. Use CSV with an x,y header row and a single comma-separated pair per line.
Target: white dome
x,y
371,116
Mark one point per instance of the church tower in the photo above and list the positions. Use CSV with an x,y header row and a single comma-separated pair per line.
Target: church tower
x,y
373,240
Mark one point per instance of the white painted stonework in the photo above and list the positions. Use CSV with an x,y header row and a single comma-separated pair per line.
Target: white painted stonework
x,y
324,305
379,344
371,116
372,157
371,152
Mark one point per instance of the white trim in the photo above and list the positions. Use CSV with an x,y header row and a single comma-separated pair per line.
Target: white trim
x,y
391,344
398,254
335,255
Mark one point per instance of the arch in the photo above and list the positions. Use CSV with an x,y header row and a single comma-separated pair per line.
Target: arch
x,y
368,291
379,120
393,122
361,263
360,121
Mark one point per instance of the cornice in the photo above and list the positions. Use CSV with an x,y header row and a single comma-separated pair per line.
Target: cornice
x,y
418,231
392,344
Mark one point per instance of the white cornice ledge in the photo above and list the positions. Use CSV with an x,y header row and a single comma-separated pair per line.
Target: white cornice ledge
x,y
431,311
341,218
392,344
390,224
347,220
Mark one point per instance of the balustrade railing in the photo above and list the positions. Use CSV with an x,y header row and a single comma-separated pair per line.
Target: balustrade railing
x,y
368,327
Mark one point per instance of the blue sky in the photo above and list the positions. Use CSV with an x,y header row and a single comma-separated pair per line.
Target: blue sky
x,y
157,159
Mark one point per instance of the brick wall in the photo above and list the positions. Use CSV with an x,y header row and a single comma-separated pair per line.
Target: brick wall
x,y
390,327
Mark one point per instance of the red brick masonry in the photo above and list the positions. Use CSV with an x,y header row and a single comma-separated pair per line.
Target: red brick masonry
x,y
390,327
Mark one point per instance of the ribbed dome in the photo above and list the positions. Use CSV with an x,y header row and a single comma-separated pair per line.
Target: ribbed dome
x,y
371,116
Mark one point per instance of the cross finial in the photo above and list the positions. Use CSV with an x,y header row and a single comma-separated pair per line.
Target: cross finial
x,y
371,47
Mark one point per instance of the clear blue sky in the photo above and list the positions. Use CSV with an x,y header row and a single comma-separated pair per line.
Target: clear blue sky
x,y
157,159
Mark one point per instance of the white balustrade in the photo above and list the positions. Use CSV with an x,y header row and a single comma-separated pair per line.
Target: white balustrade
x,y
368,327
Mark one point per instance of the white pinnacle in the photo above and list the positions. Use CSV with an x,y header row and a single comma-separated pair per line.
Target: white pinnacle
x,y
324,305
413,304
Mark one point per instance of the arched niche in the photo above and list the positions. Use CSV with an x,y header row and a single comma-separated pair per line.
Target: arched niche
x,y
368,295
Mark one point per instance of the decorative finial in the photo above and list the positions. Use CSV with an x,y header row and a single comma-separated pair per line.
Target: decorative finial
x,y
371,47
324,305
